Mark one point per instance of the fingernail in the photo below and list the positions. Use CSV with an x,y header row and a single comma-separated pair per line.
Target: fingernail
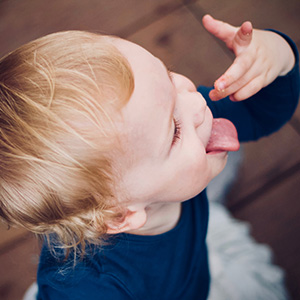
x,y
220,86
249,33
246,32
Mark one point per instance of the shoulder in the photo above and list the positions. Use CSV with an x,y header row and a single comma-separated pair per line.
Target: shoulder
x,y
104,286
55,269
60,279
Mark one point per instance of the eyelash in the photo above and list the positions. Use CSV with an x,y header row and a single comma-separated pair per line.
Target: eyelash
x,y
177,132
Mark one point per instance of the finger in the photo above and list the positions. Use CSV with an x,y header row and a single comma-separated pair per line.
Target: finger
x,y
248,90
239,67
219,29
214,95
242,81
243,36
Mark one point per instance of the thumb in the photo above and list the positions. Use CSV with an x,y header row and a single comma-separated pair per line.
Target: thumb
x,y
243,36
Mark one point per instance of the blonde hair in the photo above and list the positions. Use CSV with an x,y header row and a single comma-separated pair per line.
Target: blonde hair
x,y
58,97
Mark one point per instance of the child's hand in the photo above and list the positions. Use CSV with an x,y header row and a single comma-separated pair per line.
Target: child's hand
x,y
261,56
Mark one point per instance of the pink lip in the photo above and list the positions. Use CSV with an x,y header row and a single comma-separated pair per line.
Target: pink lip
x,y
210,119
216,152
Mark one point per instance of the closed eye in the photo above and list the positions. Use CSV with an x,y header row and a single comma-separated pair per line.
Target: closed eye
x,y
177,132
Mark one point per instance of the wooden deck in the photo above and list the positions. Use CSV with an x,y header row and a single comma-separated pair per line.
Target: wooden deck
x,y
267,190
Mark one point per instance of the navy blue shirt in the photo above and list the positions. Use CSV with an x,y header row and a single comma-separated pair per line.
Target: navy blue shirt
x,y
172,265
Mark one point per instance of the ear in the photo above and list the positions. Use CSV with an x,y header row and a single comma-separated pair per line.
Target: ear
x,y
135,218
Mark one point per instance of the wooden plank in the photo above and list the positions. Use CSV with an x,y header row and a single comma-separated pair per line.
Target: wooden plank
x,y
8,237
295,122
182,43
280,14
264,161
18,269
275,221
22,21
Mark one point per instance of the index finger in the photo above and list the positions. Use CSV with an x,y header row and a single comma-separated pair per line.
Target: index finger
x,y
223,31
239,67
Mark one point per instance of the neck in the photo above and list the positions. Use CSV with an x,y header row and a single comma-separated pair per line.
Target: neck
x,y
161,217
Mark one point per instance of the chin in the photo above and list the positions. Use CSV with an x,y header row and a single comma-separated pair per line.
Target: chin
x,y
218,161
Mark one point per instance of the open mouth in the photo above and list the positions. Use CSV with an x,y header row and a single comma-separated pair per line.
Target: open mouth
x,y
223,137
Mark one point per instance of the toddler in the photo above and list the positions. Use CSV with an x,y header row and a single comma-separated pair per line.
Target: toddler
x,y
107,154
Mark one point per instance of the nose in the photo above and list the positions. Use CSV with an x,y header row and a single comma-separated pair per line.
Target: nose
x,y
183,83
193,107
193,103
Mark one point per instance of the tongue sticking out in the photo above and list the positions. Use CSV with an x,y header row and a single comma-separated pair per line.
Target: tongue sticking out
x,y
223,137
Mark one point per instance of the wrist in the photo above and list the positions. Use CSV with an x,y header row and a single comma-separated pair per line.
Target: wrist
x,y
289,56
286,51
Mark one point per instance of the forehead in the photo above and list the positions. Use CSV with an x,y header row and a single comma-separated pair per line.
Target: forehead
x,y
150,74
132,52
142,62
147,110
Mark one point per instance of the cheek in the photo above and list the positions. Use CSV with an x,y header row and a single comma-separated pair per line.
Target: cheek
x,y
195,173
200,171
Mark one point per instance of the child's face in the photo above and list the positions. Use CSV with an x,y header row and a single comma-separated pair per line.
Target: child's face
x,y
166,127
